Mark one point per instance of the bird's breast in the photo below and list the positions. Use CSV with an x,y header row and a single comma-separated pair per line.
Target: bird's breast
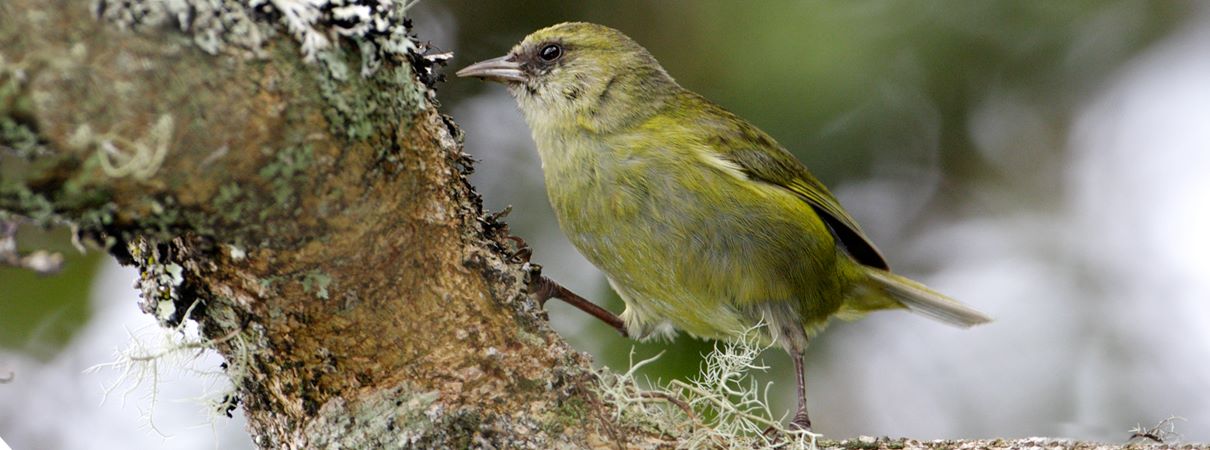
x,y
605,202
685,240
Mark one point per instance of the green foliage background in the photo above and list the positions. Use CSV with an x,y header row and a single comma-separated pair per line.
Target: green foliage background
x,y
862,91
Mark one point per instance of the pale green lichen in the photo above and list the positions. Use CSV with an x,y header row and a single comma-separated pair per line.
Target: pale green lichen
x,y
357,108
19,139
215,25
244,26
316,282
16,137
90,210
1164,431
361,108
158,281
37,208
721,408
154,350
162,286
230,202
287,169
570,413
140,157
266,283
380,102
401,417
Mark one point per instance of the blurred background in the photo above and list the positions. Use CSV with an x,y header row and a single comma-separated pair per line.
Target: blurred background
x,y
1042,161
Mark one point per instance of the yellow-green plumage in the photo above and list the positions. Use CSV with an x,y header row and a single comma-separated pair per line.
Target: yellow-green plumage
x,y
684,236
701,222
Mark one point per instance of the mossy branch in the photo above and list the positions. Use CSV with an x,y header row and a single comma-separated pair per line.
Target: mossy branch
x,y
279,174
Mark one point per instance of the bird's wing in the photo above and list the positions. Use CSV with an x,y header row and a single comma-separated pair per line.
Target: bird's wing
x,y
759,158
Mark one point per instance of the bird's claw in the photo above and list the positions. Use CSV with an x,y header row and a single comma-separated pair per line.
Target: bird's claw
x,y
522,252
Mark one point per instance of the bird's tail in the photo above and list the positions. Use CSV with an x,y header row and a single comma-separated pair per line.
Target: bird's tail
x,y
920,299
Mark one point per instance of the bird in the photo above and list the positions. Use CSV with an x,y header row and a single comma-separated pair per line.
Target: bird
x,y
700,221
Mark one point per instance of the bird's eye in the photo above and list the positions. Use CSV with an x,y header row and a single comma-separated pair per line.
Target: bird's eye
x,y
550,52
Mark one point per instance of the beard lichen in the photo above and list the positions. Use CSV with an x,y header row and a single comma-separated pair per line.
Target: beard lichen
x,y
723,407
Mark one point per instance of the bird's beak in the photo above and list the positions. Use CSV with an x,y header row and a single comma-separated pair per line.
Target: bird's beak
x,y
502,69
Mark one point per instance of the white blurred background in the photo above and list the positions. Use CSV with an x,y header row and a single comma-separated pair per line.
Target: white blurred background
x,y
1044,162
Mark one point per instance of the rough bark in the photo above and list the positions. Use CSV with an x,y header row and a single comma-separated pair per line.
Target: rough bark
x,y
315,221
320,230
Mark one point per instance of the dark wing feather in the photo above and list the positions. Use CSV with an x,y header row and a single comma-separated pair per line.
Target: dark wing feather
x,y
762,159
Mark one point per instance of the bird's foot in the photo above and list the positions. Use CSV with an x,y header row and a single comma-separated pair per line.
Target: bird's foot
x,y
801,422
545,289
521,252
797,429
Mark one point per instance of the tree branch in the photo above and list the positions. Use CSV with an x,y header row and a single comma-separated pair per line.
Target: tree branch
x,y
279,174
321,216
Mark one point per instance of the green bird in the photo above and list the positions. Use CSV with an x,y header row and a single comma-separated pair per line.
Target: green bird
x,y
700,221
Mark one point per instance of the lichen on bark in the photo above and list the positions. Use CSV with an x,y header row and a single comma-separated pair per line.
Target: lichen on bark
x,y
305,203
278,172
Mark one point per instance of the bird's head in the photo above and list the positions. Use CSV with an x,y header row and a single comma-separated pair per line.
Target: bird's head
x,y
578,72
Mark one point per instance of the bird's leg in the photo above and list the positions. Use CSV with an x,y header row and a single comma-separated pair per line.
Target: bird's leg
x,y
801,420
544,289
